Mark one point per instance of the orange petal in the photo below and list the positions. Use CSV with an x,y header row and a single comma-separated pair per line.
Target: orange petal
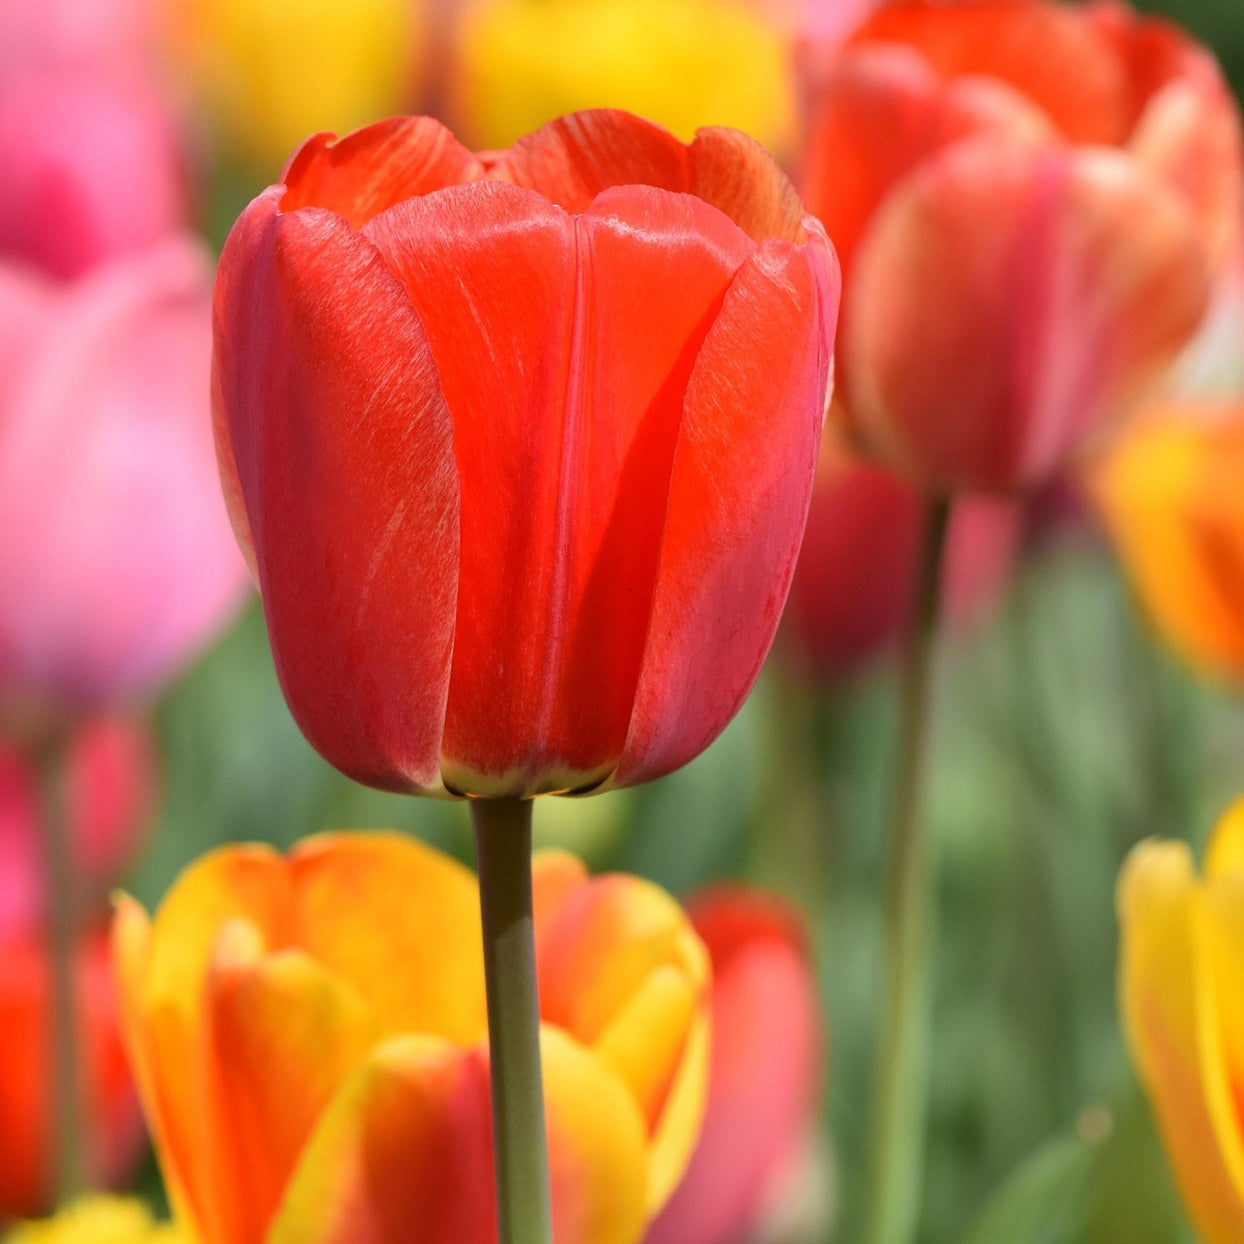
x,y
400,922
1169,491
281,1035
402,1153
162,968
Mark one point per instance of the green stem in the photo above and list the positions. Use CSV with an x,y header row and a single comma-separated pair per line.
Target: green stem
x,y
520,1149
899,1107
67,1095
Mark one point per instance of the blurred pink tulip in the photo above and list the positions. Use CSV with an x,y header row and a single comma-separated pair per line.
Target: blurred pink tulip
x,y
852,593
111,773
117,561
765,1074
91,169
113,38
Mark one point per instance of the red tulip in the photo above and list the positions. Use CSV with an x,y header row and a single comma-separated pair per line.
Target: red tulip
x,y
521,445
765,1072
1031,201
119,561
112,1129
852,595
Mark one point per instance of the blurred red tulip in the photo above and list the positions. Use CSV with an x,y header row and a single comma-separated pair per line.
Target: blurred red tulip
x,y
119,561
112,1130
852,593
522,445
64,136
765,1072
1031,201
110,774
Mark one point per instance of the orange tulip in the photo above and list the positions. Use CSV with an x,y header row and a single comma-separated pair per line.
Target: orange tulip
x,y
1030,201
764,1083
309,1038
1172,493
521,445
1182,991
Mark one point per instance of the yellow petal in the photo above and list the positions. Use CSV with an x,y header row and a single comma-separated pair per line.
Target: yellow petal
x,y
1226,847
100,1220
271,72
400,922
1170,957
681,63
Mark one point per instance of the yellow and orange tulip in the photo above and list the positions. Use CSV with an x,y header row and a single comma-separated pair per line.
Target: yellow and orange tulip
x,y
1172,498
1182,993
309,1037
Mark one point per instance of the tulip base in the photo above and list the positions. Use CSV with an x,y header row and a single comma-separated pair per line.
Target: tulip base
x,y
899,1106
520,1148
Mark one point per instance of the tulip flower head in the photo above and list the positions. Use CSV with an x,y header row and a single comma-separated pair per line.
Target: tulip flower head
x,y
520,446
1181,978
103,408
1171,495
310,1039
1032,201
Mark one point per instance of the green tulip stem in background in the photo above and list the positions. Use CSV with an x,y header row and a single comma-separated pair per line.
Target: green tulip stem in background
x,y
896,1157
520,1147
62,917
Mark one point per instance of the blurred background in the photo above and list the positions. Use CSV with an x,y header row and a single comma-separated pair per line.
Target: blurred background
x,y
1067,730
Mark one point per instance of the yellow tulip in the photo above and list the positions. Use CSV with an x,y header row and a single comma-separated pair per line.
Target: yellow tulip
x,y
270,72
1172,497
1182,993
99,1220
681,63
309,1037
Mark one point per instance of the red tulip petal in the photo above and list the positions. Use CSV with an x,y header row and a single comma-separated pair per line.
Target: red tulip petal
x,y
360,175
333,417
1006,300
738,500
575,158
877,115
1048,52
739,177
566,384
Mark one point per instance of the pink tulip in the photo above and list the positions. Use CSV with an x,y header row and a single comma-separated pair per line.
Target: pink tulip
x,y
118,561
110,774
764,1078
90,169
112,38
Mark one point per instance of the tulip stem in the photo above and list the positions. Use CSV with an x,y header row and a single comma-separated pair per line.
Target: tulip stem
x,y
67,1095
900,1103
520,1148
